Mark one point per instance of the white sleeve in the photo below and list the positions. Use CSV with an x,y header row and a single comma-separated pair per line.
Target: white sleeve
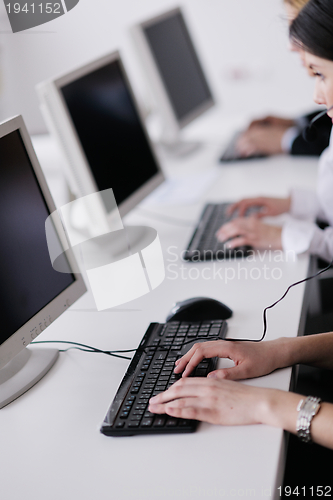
x,y
304,236
304,204
297,235
322,243
288,138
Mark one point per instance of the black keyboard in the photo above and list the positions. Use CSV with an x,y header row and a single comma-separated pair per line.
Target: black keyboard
x,y
231,152
151,371
203,245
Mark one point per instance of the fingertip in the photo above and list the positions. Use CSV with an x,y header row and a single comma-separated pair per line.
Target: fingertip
x,y
219,374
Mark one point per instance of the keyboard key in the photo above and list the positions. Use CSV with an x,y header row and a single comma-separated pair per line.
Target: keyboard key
x,y
133,424
140,407
147,392
184,423
171,422
148,414
148,386
161,386
201,372
159,422
147,422
138,412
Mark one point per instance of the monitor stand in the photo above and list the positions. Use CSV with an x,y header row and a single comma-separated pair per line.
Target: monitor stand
x,y
113,246
179,147
168,138
24,371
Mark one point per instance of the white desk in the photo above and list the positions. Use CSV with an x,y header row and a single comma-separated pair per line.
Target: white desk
x,y
51,448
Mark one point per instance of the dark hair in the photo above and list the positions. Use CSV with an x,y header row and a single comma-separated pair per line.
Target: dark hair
x,y
313,28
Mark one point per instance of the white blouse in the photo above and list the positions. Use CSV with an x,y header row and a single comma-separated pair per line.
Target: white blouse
x,y
300,233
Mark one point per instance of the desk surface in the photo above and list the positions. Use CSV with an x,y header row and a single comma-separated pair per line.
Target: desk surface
x,y
51,447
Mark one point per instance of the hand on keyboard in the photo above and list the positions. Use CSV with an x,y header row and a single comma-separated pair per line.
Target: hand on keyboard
x,y
250,231
222,402
250,359
260,207
261,140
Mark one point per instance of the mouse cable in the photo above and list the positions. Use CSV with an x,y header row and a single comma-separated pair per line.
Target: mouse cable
x,y
166,218
88,348
281,298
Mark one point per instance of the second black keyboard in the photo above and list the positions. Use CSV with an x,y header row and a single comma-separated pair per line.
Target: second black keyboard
x,y
204,245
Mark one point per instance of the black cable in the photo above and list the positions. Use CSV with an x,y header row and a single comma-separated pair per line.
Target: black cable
x,y
283,296
86,348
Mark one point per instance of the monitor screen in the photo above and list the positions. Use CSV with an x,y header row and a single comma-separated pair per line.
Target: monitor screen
x,y
110,131
178,63
28,281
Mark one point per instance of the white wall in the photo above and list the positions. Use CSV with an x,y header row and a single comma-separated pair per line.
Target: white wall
x,y
242,44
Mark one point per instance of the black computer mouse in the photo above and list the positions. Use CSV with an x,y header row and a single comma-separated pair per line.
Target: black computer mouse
x,y
199,309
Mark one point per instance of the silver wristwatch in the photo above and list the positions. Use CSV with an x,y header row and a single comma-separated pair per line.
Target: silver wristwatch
x,y
307,408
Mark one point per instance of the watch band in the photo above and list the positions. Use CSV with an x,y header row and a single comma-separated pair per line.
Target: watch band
x,y
307,408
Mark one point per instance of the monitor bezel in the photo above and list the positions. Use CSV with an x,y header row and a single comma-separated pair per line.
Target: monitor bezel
x,y
60,123
43,318
157,83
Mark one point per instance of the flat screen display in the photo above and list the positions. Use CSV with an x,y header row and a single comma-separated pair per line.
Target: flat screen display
x,y
110,131
28,281
178,64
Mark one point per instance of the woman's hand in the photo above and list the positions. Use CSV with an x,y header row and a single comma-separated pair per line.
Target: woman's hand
x,y
215,401
276,121
264,136
250,231
251,359
261,140
224,402
268,206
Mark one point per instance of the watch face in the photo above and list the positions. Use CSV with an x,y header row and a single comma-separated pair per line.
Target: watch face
x,y
312,406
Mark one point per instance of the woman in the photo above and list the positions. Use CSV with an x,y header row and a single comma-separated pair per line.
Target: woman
x,y
219,399
274,135
298,234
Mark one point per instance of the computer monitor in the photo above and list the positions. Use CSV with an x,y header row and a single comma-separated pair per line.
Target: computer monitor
x,y
93,113
32,293
173,71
